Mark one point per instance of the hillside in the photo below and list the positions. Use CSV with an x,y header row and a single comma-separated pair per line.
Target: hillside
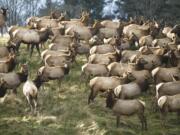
x,y
65,111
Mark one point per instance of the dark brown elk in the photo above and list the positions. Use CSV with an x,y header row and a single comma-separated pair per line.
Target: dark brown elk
x,y
3,18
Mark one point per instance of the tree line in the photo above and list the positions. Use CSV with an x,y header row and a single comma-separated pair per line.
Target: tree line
x,y
19,10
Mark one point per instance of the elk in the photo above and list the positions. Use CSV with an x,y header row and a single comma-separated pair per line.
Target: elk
x,y
3,19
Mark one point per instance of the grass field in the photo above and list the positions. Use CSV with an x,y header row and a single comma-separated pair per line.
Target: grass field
x,y
65,111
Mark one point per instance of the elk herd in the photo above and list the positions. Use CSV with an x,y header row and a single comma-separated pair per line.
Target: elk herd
x,y
124,60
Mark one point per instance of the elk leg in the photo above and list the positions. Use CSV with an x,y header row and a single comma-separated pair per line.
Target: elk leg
x,y
141,118
31,51
35,103
163,118
92,95
6,27
1,31
17,47
27,47
59,83
117,121
82,76
145,122
37,47
29,99
154,104
178,116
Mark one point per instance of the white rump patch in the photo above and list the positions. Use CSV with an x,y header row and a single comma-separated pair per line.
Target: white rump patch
x,y
118,90
141,48
15,32
68,30
106,41
157,89
84,66
133,58
162,100
41,69
154,71
46,58
142,102
110,66
154,42
93,50
51,45
43,53
29,88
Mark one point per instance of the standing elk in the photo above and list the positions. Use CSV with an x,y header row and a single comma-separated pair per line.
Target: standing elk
x,y
30,91
30,37
3,18
127,108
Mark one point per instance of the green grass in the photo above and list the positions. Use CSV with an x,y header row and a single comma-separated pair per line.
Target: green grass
x,y
65,111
